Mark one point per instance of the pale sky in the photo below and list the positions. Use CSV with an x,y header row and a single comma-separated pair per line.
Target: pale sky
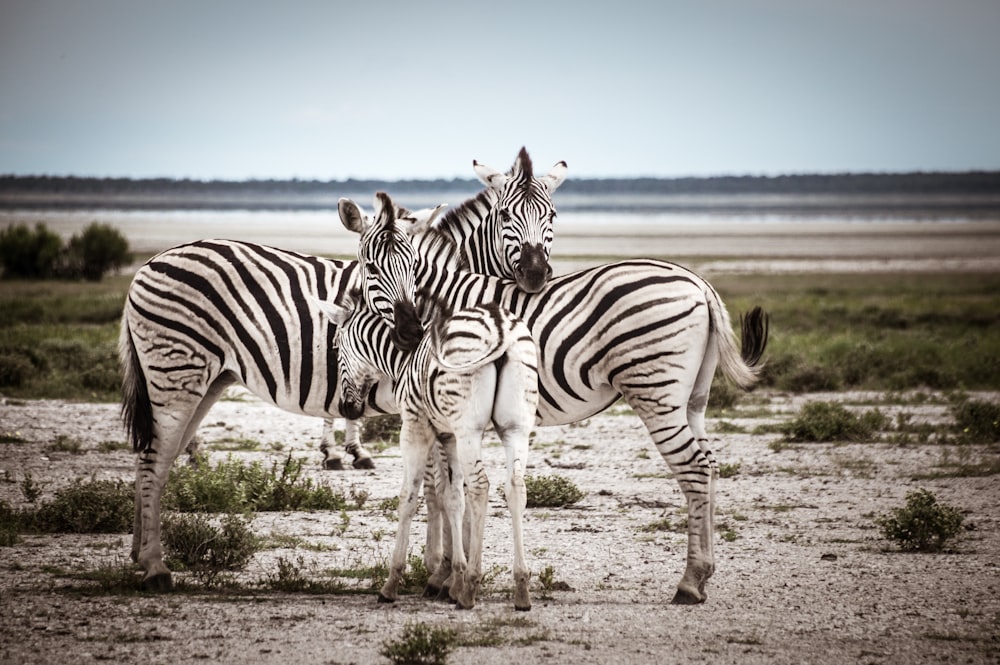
x,y
385,89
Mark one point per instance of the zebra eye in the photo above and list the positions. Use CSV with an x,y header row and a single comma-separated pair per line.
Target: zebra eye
x,y
504,215
372,269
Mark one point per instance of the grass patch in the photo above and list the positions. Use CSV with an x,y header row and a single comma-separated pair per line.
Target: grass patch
x,y
231,486
208,548
922,525
551,491
95,506
829,421
420,644
828,332
875,332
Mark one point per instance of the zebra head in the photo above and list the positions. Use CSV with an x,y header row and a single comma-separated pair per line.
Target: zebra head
x,y
522,218
387,258
357,375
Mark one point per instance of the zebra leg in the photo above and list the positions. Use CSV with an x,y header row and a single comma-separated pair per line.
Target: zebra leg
x,y
475,498
173,430
415,441
514,409
676,443
352,444
451,490
697,405
516,448
437,552
332,459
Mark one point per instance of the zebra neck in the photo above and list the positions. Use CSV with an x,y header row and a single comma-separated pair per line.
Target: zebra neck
x,y
467,225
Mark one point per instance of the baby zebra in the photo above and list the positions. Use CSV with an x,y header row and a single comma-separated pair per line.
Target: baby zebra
x,y
474,367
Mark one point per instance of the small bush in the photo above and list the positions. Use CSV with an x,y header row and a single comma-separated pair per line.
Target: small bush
x,y
99,249
232,486
27,253
828,421
729,470
97,506
206,549
40,254
922,525
551,491
977,422
420,644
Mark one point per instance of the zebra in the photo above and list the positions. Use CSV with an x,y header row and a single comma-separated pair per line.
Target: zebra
x,y
506,230
474,367
649,331
202,316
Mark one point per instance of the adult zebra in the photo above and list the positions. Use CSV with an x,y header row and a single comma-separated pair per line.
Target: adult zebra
x,y
649,331
475,367
202,316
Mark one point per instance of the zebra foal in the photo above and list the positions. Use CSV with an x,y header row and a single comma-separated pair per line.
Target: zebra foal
x,y
473,368
648,331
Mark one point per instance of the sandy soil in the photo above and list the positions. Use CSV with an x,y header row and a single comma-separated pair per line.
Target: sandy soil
x,y
803,575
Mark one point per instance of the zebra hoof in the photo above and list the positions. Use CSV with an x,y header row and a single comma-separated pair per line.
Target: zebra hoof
x,y
431,591
683,597
526,608
385,599
160,583
364,463
333,464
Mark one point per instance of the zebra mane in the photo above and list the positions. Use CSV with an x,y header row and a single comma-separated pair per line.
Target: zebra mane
x,y
526,169
469,209
435,242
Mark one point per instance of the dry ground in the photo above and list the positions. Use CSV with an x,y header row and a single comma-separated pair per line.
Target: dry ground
x,y
802,574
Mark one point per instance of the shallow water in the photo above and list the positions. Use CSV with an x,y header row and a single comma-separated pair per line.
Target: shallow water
x,y
750,241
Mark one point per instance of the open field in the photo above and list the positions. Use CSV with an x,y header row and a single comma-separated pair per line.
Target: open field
x,y
910,316
803,573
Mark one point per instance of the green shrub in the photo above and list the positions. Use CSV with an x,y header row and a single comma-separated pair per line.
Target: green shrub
x,y
977,422
206,548
232,486
828,421
551,491
922,525
99,249
97,506
29,254
420,644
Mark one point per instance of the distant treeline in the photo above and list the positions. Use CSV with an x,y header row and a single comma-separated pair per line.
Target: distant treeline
x,y
928,192
969,182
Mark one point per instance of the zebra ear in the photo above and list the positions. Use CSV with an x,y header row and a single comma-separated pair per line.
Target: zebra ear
x,y
337,314
352,216
490,177
421,220
555,177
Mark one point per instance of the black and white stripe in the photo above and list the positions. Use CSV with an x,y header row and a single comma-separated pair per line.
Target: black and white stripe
x,y
475,367
648,331
203,316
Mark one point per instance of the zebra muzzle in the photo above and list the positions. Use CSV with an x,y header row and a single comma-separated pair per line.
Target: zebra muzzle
x,y
351,409
407,331
533,271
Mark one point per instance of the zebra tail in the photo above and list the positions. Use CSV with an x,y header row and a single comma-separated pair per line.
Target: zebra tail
x,y
137,411
742,366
